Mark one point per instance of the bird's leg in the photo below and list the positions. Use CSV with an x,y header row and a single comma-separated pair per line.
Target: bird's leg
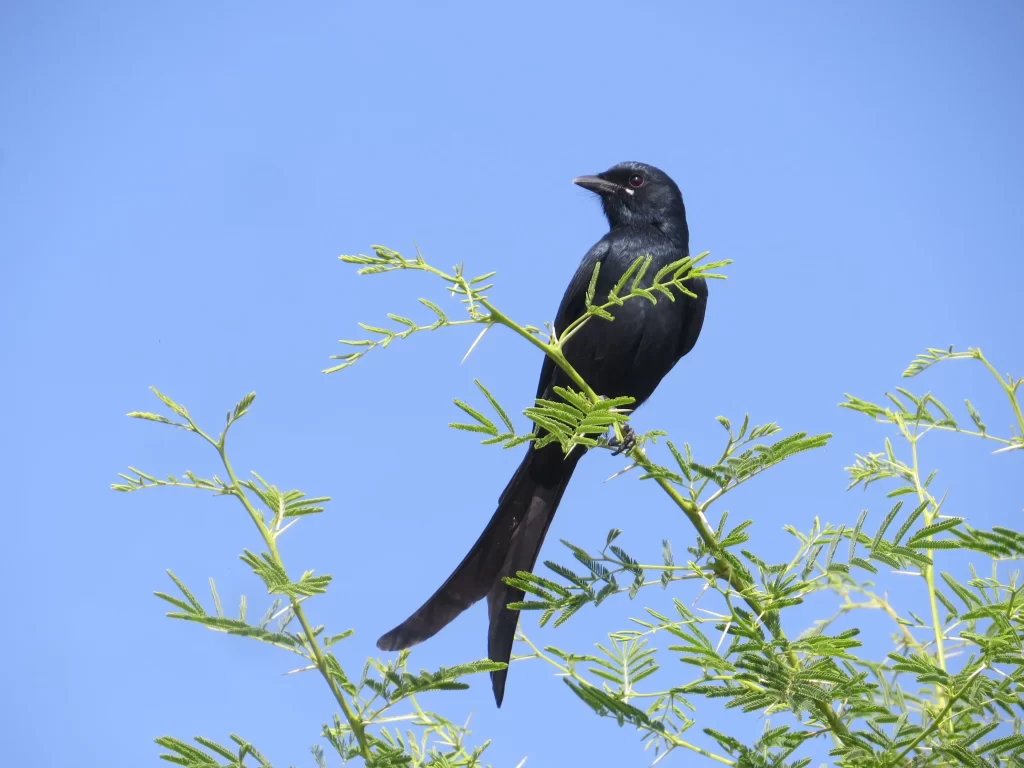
x,y
628,442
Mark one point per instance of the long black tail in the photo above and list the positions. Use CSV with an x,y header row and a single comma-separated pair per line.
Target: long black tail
x,y
510,543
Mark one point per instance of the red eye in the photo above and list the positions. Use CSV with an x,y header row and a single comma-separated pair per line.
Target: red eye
x,y
636,181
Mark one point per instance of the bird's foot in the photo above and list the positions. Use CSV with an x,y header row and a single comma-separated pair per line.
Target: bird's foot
x,y
628,442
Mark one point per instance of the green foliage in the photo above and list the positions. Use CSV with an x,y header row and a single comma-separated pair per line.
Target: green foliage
x,y
667,282
210,754
818,681
484,425
947,693
576,420
743,457
371,705
470,291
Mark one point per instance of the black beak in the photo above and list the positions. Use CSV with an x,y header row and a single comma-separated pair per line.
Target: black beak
x,y
597,185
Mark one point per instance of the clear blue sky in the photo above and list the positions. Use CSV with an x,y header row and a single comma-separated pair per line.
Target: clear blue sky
x,y
177,179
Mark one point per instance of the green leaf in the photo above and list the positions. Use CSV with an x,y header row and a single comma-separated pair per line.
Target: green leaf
x,y
187,607
496,406
329,641
238,627
484,421
933,544
855,538
178,409
861,563
242,407
975,416
684,464
473,428
613,295
925,360
967,597
196,606
832,547
1001,745
592,288
157,418
442,318
709,473
909,522
885,524
934,528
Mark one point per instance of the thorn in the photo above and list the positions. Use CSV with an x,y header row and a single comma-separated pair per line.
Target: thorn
x,y
1008,448
621,472
725,631
473,345
300,669
699,596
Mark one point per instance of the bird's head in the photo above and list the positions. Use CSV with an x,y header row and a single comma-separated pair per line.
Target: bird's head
x,y
636,194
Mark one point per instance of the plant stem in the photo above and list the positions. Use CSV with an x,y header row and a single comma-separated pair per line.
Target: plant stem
x,y
551,350
938,718
957,430
358,730
928,571
1011,391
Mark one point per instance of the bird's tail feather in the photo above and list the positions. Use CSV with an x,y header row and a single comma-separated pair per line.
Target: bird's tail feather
x,y
523,550
510,543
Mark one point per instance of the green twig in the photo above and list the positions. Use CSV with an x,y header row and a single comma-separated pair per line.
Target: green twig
x,y
357,727
938,719
670,738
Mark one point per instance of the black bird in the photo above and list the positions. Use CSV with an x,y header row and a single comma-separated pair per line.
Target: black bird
x,y
627,356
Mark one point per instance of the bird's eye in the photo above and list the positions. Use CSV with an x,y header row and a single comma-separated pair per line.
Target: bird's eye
x,y
636,181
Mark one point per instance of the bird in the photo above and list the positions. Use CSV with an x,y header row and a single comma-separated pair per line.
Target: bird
x,y
628,356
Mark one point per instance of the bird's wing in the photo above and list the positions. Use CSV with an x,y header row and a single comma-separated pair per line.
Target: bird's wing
x,y
574,302
693,318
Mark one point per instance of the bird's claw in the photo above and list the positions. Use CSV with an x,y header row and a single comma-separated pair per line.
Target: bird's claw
x,y
628,442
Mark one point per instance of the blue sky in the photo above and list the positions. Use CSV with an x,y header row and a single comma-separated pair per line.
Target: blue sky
x,y
176,181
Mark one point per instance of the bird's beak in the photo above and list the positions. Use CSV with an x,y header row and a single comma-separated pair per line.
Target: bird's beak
x,y
597,185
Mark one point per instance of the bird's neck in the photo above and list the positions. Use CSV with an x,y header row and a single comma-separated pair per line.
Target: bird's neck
x,y
674,229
